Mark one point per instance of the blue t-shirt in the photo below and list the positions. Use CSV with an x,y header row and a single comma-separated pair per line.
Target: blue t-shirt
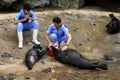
x,y
21,15
61,32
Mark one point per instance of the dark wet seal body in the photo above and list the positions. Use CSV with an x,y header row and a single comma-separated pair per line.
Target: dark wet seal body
x,y
33,55
114,25
73,58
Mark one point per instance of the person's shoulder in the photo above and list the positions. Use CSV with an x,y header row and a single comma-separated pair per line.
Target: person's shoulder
x,y
64,26
51,25
32,12
20,11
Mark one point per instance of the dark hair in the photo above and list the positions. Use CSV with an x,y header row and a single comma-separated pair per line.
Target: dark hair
x,y
27,7
57,19
111,15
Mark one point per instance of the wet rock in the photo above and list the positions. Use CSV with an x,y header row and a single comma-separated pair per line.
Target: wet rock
x,y
28,78
69,17
12,74
1,63
6,55
117,42
80,44
5,3
89,40
92,23
78,15
5,78
76,29
104,17
43,62
48,70
18,4
5,29
108,58
16,58
52,79
30,43
2,78
39,3
68,3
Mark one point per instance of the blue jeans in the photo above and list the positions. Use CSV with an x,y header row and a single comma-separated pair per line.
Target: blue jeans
x,y
54,38
27,26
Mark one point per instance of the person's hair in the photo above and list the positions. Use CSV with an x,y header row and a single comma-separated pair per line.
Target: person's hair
x,y
27,7
111,15
57,20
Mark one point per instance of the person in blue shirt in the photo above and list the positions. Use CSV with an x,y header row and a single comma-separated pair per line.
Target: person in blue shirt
x,y
26,20
58,33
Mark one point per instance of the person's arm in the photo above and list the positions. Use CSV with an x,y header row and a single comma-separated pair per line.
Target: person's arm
x,y
69,39
48,39
67,43
47,34
33,17
17,21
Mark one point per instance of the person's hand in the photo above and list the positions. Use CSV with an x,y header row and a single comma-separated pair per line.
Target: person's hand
x,y
27,16
24,19
50,44
64,48
15,22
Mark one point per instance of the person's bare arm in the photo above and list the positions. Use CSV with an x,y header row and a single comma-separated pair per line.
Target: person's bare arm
x,y
47,37
69,38
32,18
67,43
17,21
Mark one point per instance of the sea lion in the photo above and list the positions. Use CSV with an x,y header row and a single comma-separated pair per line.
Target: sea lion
x,y
33,55
74,58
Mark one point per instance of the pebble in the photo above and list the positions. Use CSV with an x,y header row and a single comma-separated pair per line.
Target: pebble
x,y
5,29
27,78
76,29
1,63
48,70
13,47
108,58
53,79
43,62
117,42
6,55
89,40
30,43
16,58
5,78
92,23
80,44
12,74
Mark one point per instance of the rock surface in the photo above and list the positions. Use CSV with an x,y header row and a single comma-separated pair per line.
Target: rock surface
x,y
90,40
68,3
6,3
18,4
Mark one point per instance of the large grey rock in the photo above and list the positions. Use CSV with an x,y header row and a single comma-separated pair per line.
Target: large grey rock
x,y
38,3
68,3
34,3
5,3
18,4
